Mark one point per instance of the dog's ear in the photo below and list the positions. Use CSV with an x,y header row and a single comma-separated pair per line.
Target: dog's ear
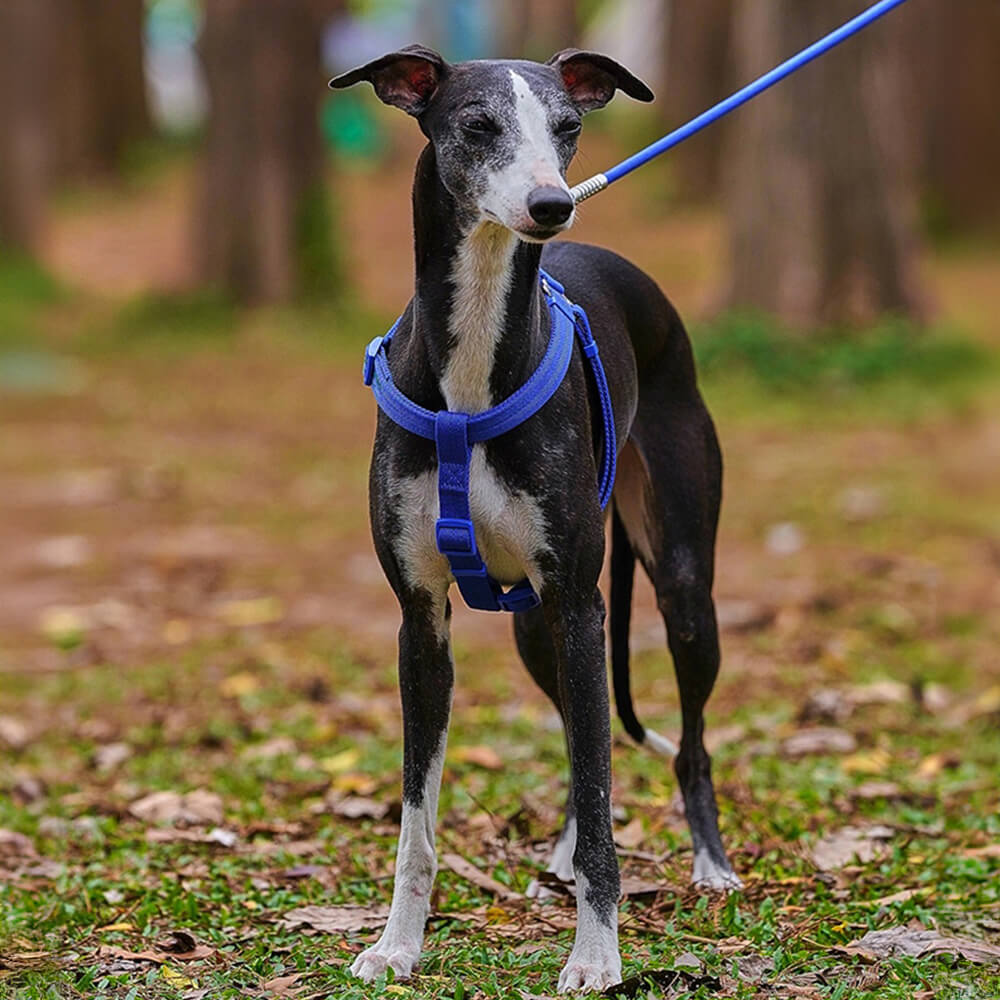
x,y
406,79
592,79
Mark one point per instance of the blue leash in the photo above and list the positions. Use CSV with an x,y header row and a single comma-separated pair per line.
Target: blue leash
x,y
591,186
454,434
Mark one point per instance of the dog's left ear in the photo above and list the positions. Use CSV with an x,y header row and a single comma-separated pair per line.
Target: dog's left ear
x,y
592,79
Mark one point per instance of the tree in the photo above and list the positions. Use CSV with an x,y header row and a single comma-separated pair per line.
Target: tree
x,y
820,185
263,232
101,87
697,75
25,101
955,77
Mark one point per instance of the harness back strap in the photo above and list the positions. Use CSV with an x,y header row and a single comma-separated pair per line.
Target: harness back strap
x,y
454,434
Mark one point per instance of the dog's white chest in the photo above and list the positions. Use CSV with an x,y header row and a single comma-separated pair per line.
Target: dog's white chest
x,y
510,527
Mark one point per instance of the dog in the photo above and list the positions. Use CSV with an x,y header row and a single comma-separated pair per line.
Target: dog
x,y
489,195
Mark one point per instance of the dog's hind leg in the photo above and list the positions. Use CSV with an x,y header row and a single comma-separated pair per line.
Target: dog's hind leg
x,y
534,643
425,680
676,451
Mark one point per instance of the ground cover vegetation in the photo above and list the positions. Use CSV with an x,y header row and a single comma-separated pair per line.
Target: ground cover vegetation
x,y
199,728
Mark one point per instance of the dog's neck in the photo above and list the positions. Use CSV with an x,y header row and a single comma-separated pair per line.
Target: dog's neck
x,y
477,306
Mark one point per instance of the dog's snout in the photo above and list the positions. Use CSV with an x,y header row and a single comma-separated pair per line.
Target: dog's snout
x,y
549,205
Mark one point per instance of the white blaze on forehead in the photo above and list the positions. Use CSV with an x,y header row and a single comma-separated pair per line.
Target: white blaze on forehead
x,y
536,150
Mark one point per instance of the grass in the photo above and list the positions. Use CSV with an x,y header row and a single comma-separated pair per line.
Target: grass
x,y
258,420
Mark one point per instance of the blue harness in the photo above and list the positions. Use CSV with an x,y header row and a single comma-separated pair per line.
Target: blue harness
x,y
456,433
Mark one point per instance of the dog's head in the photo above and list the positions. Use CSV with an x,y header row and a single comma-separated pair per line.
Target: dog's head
x,y
503,132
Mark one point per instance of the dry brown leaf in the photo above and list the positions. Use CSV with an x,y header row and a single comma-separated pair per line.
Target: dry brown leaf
x,y
358,807
195,808
989,851
468,871
336,919
14,844
897,897
875,761
14,733
819,740
632,835
480,756
917,942
842,846
283,986
870,790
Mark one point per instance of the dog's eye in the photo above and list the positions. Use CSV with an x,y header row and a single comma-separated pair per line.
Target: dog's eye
x,y
568,127
480,126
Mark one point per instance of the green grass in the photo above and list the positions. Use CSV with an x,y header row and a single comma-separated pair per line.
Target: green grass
x,y
200,379
188,728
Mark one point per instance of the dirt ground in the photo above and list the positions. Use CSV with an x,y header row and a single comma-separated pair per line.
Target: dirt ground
x,y
172,493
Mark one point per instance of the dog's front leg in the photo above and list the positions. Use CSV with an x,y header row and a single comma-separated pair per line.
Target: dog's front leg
x,y
425,680
578,632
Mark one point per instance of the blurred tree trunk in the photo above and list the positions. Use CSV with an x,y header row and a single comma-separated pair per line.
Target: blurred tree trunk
x,y
820,187
102,103
536,29
953,51
697,76
25,103
263,224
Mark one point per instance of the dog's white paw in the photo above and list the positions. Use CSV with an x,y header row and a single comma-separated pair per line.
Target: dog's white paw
x,y
590,973
712,876
373,962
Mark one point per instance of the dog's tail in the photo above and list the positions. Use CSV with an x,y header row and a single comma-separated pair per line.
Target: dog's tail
x,y
622,579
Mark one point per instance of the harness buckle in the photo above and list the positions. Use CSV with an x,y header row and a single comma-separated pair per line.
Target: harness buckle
x,y
455,536
371,353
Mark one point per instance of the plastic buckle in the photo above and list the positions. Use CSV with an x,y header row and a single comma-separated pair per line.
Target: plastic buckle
x,y
521,597
549,282
590,348
371,353
455,536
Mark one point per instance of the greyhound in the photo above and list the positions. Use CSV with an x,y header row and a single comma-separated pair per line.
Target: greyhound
x,y
489,194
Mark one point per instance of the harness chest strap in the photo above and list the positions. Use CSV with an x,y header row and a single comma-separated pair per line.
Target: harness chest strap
x,y
454,434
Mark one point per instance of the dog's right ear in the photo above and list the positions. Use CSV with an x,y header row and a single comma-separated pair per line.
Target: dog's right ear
x,y
405,79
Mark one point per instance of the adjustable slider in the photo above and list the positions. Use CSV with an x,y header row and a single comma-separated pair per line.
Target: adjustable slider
x,y
455,536
590,349
371,353
521,597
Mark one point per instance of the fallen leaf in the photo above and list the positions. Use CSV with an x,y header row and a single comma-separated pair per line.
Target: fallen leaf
x,y
16,844
933,764
874,761
842,846
251,611
111,755
870,790
193,808
897,897
665,979
14,733
342,761
468,871
283,986
336,919
819,740
917,942
357,807
239,685
632,835
989,851
481,756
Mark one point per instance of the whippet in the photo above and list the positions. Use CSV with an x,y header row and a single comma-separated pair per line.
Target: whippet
x,y
488,196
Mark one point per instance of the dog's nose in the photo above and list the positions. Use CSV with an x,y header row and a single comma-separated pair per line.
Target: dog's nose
x,y
549,205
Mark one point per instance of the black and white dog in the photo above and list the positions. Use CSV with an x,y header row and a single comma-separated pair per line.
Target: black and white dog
x,y
488,195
